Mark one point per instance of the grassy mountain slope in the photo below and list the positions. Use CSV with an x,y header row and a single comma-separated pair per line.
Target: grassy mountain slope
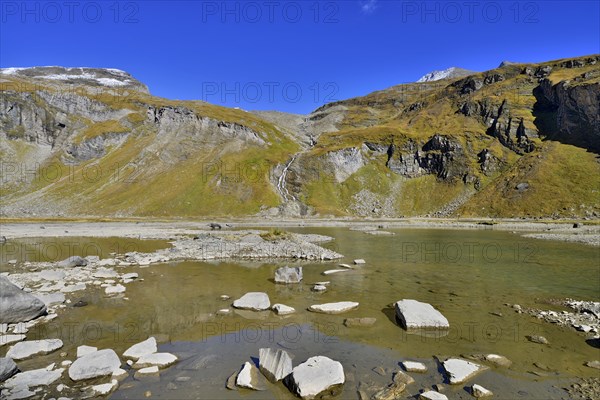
x,y
519,140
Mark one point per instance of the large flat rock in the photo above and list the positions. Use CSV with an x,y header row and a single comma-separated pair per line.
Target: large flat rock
x,y
257,301
16,305
415,315
318,376
459,370
334,308
161,360
29,348
96,364
34,378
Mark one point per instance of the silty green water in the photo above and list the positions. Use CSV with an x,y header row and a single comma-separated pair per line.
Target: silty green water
x,y
466,274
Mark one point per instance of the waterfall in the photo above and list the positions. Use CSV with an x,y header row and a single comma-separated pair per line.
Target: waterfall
x,y
281,184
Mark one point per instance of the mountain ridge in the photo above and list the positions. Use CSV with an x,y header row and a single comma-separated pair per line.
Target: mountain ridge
x,y
489,144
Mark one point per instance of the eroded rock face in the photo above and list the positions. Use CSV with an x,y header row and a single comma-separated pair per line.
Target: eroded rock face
x,y
345,162
568,112
316,377
440,155
17,305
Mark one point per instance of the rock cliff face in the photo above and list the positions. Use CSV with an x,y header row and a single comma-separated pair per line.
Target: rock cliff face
x,y
569,112
440,155
456,146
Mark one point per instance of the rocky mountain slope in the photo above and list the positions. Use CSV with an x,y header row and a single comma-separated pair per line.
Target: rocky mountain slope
x,y
519,140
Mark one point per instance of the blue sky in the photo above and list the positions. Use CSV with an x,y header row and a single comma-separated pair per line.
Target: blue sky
x,y
291,56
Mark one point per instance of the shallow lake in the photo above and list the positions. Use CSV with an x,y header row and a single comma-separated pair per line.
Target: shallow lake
x,y
468,275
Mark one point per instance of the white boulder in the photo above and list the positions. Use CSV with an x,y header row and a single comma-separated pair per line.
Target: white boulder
x,y
459,370
28,348
148,346
257,301
315,377
96,364
274,364
414,314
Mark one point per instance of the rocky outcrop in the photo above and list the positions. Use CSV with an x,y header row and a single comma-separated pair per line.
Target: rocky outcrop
x,y
510,131
182,121
345,162
568,112
488,162
95,147
440,155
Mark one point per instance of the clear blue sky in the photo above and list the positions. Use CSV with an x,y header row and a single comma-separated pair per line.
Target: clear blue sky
x,y
290,55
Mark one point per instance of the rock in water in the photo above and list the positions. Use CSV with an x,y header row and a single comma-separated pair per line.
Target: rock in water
x,y
83,350
316,377
33,378
274,364
7,368
161,360
431,395
93,365
537,339
593,364
479,391
460,371
288,275
23,350
391,392
414,315
17,305
334,308
8,339
148,346
413,366
282,309
74,261
250,378
401,377
365,321
257,301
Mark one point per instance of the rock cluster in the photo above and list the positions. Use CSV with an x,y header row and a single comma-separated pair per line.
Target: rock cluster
x,y
317,377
